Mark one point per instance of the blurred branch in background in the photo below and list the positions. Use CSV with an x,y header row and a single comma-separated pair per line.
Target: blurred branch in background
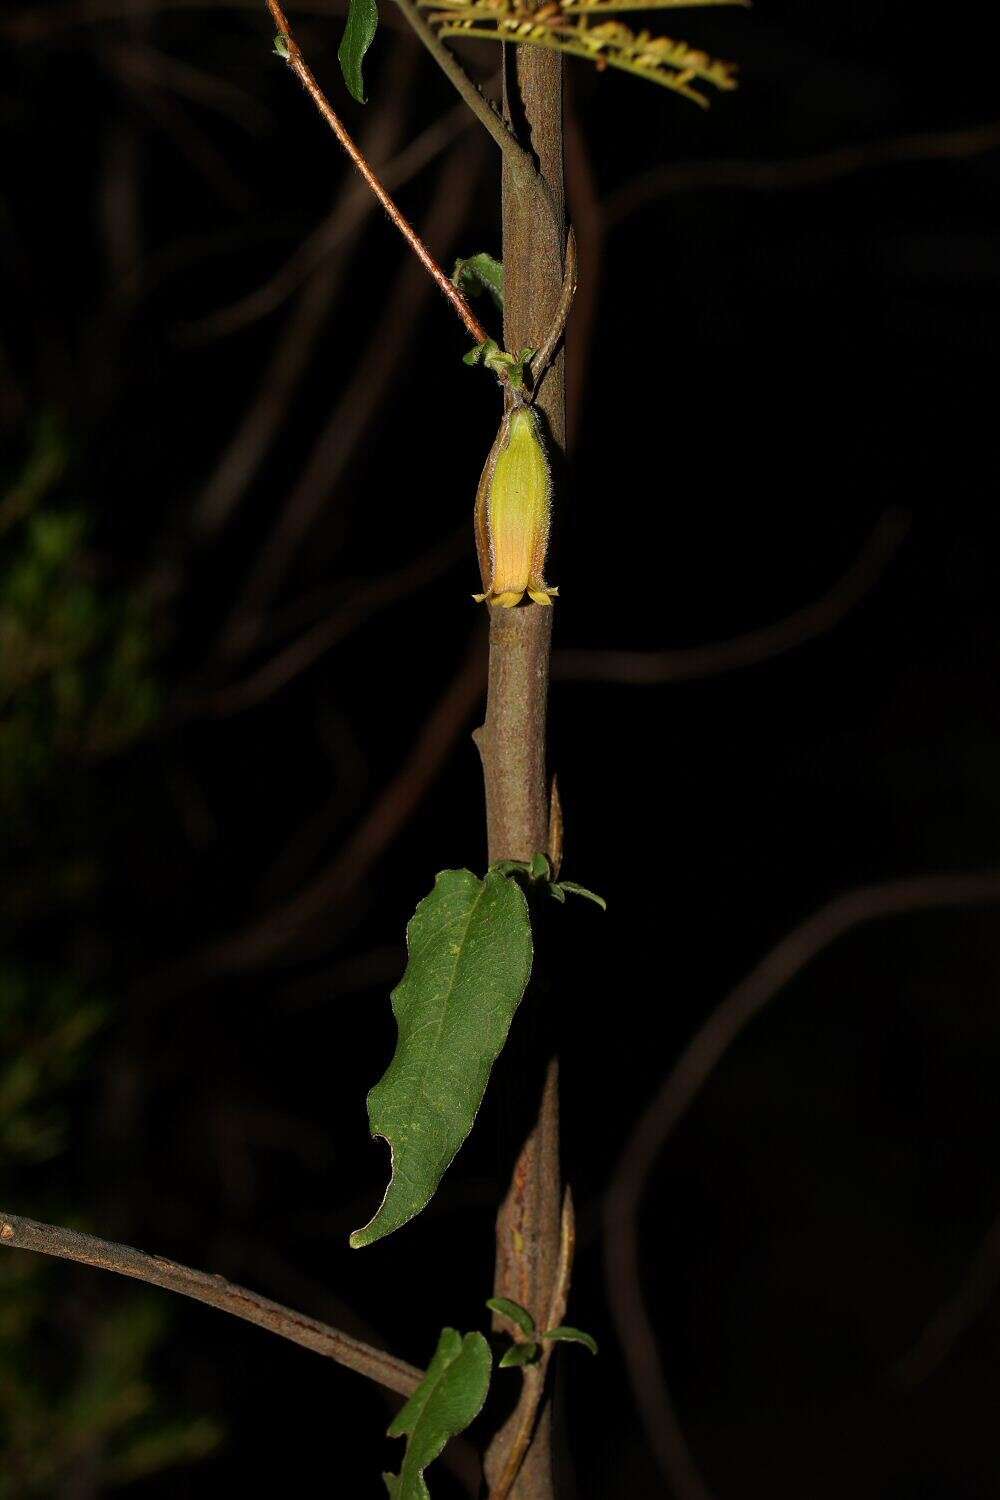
x,y
334,244
652,667
801,172
383,363
955,1316
338,231
361,602
569,664
623,1200
272,932
39,25
254,844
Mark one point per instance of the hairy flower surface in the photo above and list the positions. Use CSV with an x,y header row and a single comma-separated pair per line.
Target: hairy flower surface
x,y
513,509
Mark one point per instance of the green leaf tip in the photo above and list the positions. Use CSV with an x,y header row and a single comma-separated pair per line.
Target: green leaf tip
x,y
470,954
513,1311
571,887
481,354
538,869
479,273
566,1335
519,1354
450,1396
281,47
359,33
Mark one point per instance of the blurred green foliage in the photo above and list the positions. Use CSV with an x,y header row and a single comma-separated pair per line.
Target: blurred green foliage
x,y
45,1026
78,1414
74,657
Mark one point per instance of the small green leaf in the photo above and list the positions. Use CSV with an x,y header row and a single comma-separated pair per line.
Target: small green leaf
x,y
581,890
482,354
515,367
359,33
567,1335
504,366
470,953
536,868
519,1354
281,46
449,1397
518,1315
480,273
558,892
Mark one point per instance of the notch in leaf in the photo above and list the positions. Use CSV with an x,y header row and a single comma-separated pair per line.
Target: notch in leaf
x,y
470,954
449,1397
359,33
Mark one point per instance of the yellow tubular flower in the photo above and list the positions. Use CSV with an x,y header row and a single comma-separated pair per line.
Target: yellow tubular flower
x,y
513,507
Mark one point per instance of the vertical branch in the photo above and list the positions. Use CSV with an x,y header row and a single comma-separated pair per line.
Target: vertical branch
x,y
512,740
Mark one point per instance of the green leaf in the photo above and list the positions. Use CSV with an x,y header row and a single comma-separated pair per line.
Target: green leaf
x,y
480,273
281,47
518,1315
536,868
566,1335
482,354
519,1354
581,890
449,1397
504,366
470,954
359,33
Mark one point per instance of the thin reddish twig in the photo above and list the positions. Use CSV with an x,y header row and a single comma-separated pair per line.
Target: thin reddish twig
x,y
332,453
263,418
305,75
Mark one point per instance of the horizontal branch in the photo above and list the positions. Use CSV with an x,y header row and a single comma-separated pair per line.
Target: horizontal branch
x,y
68,1244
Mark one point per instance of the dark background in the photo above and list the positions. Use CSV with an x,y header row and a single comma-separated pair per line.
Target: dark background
x,y
767,361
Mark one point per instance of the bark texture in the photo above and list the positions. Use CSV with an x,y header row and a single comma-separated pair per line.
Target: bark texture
x,y
512,739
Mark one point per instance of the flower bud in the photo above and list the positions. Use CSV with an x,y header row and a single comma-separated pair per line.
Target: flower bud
x,y
513,508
